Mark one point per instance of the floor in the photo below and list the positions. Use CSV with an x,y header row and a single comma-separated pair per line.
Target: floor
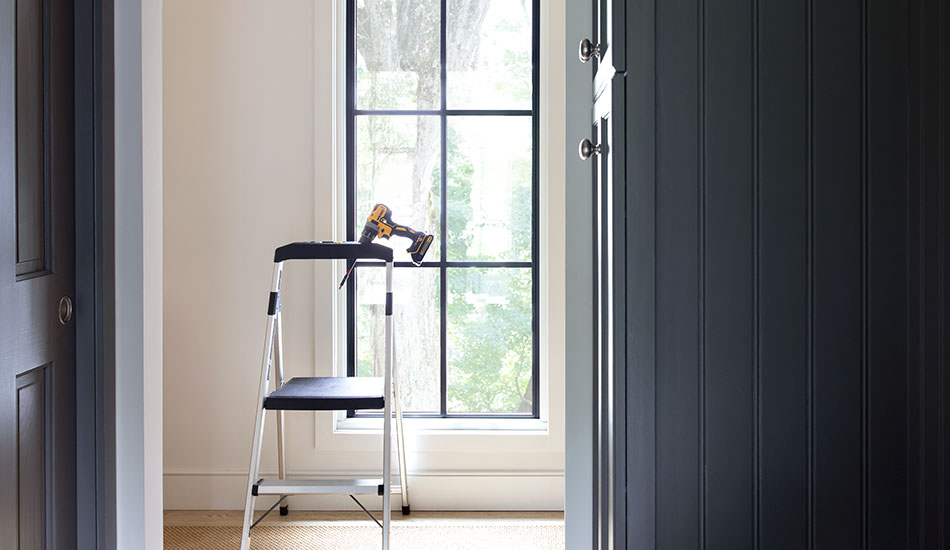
x,y
213,530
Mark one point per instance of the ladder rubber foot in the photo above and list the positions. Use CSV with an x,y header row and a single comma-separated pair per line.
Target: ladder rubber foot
x,y
284,510
405,510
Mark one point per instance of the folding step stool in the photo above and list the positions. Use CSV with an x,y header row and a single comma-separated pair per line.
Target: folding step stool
x,y
325,394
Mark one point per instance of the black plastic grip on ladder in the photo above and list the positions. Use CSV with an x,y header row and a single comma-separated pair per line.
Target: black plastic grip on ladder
x,y
327,250
389,303
273,303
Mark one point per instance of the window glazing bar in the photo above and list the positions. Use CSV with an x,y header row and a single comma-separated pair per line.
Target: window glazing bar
x,y
447,112
450,264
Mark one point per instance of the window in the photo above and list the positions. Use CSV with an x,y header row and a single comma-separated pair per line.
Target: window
x,y
442,126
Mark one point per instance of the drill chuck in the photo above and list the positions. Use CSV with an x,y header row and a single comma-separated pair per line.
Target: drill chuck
x,y
370,231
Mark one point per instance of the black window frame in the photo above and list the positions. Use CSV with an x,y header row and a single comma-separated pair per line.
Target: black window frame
x,y
442,264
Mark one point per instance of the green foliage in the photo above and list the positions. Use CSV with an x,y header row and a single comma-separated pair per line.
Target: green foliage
x,y
489,332
489,309
458,198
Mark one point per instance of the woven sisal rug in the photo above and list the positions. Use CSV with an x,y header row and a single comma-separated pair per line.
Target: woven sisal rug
x,y
360,537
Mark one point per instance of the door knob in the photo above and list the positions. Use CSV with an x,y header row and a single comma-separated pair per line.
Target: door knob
x,y
586,149
65,310
587,49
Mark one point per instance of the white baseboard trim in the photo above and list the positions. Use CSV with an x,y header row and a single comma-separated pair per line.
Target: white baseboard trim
x,y
482,491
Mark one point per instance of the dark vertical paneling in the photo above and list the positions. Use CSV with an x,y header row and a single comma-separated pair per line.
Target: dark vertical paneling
x,y
782,174
837,272
796,393
944,252
926,248
679,476
641,279
912,236
929,265
887,262
728,288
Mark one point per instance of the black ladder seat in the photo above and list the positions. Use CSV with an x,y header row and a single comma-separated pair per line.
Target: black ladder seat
x,y
328,394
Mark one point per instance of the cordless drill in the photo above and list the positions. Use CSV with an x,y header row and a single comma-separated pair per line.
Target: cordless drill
x,y
380,224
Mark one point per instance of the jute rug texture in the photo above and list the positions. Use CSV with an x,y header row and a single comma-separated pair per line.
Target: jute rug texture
x,y
360,537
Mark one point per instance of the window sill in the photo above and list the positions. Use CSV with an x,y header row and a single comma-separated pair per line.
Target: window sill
x,y
448,426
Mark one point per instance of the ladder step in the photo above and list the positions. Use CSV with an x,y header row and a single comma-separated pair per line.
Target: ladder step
x,y
322,486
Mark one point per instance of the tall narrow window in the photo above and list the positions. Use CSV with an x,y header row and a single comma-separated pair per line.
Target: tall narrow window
x,y
442,127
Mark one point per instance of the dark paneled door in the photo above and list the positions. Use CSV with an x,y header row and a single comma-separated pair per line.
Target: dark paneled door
x,y
37,276
604,49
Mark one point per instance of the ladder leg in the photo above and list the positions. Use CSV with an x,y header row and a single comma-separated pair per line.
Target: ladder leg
x,y
252,477
387,407
281,447
387,478
253,470
281,459
400,440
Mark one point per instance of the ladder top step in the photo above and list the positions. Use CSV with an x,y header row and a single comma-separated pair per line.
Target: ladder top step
x,y
325,250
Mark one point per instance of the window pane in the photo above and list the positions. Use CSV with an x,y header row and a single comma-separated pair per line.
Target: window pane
x,y
489,188
397,164
397,54
488,54
416,322
489,340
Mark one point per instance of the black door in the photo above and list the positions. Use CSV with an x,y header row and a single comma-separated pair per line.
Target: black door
x,y
607,133
37,276
787,238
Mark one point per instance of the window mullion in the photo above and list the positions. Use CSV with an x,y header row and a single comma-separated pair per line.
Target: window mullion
x,y
443,192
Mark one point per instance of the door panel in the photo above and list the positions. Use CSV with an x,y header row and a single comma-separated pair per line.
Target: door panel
x,y
37,273
31,203
32,452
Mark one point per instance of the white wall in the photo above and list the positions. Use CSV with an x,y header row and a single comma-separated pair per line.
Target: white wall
x,y
138,274
249,103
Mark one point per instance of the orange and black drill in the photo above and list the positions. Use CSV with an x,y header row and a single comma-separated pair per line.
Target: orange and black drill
x,y
380,224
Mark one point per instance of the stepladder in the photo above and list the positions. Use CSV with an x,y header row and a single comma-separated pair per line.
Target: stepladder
x,y
342,393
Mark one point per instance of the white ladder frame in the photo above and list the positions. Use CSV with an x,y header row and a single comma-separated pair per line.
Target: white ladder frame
x,y
273,349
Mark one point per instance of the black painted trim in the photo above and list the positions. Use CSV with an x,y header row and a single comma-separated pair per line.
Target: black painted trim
x,y
95,298
535,206
88,274
437,265
449,112
443,217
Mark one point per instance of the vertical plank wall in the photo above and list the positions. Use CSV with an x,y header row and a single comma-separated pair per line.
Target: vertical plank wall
x,y
787,206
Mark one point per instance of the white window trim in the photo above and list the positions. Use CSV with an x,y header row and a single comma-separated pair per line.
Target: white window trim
x,y
551,251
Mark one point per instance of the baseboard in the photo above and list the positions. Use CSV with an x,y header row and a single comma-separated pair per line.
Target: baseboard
x,y
431,491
